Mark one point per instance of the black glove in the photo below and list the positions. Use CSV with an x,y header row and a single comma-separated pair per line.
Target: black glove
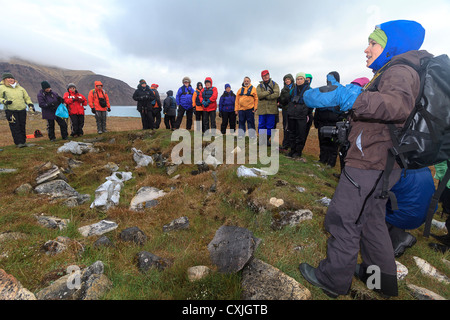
x,y
109,109
8,102
93,110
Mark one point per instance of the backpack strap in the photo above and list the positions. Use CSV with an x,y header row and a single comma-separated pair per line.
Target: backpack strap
x,y
435,200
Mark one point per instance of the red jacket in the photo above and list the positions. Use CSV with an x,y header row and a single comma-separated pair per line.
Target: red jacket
x,y
211,94
75,102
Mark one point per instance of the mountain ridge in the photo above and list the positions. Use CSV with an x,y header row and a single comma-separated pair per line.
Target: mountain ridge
x,y
30,75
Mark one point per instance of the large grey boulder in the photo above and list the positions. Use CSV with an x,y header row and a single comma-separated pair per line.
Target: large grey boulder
x,y
232,248
261,281
87,284
60,189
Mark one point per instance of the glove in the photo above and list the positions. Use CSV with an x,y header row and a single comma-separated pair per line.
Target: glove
x,y
31,108
109,109
205,103
93,110
8,102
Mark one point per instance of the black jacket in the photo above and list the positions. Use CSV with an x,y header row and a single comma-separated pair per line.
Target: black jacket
x,y
297,108
170,105
145,98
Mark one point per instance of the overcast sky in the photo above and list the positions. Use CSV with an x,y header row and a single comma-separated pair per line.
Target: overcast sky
x,y
163,41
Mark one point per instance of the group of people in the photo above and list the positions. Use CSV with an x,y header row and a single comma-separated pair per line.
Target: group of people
x,y
16,99
358,219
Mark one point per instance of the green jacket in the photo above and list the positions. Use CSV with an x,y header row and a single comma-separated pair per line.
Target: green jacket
x,y
17,95
441,169
268,100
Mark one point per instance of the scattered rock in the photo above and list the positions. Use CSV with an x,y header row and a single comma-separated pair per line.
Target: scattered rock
x,y
201,168
108,194
3,170
232,248
111,167
170,169
438,224
98,228
324,201
12,289
402,271
25,188
73,202
12,236
52,222
74,163
276,202
159,160
430,271
290,218
60,189
60,244
424,294
198,273
147,260
256,205
300,189
261,281
87,284
144,195
53,174
178,224
213,187
103,241
77,147
133,234
141,159
244,172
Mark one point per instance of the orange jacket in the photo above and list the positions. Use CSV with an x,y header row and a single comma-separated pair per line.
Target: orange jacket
x,y
246,101
196,95
94,96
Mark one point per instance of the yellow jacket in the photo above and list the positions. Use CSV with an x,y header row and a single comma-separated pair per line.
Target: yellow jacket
x,y
246,100
18,95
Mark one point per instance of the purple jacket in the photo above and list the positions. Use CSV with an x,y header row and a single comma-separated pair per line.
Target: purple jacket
x,y
48,102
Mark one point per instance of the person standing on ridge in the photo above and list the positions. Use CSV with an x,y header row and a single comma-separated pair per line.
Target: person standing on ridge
x,y
268,93
157,107
208,98
75,102
15,99
99,103
198,107
184,101
245,108
49,101
145,98
226,110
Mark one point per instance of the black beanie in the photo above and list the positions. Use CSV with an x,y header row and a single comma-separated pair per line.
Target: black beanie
x,y
336,76
45,85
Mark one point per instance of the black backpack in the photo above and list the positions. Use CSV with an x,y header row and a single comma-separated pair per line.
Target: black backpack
x,y
424,139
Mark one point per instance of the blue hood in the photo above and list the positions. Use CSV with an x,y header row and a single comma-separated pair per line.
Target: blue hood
x,y
403,36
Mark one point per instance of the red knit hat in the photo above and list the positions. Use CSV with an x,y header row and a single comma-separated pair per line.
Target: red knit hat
x,y
264,73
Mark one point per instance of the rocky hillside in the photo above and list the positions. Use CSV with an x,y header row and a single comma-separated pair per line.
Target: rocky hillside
x,y
30,76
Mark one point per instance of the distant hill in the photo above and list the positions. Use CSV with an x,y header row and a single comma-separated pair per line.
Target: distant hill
x,y
30,76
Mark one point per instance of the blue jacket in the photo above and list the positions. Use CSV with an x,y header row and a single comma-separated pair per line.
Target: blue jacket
x,y
413,194
333,95
227,102
184,97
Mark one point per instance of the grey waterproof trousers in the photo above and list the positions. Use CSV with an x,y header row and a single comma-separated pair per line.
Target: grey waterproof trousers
x,y
356,221
100,117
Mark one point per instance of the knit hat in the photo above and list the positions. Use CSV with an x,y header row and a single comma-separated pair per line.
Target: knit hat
x,y
309,76
7,75
71,85
186,79
227,86
380,37
45,85
154,85
263,73
142,81
300,74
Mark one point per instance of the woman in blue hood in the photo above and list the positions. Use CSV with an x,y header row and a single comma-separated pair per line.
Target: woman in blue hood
x,y
356,215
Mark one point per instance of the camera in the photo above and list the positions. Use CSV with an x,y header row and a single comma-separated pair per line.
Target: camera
x,y
340,132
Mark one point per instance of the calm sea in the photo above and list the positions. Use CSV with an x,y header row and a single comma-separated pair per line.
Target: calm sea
x,y
116,111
